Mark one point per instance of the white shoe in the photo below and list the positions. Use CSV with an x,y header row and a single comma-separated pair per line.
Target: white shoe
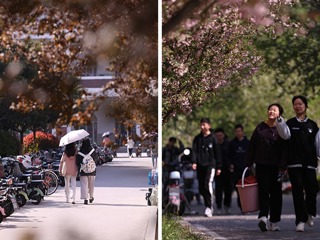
x,y
263,224
208,212
300,227
273,226
310,221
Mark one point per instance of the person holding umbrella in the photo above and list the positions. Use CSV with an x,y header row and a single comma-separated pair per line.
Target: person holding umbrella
x,y
87,179
69,159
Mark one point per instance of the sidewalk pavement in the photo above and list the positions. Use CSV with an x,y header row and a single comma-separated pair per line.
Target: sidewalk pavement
x,y
238,226
119,210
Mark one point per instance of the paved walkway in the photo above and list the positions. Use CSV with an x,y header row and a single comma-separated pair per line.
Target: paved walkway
x,y
238,226
119,210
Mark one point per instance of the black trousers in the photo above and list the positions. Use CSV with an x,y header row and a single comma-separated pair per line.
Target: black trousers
x,y
304,192
130,151
224,187
270,192
205,178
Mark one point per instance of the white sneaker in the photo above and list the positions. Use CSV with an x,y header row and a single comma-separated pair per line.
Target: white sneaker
x,y
273,226
208,212
310,221
300,227
263,224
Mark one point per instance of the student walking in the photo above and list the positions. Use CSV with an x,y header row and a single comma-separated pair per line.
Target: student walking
x,y
69,159
223,182
303,149
267,151
130,146
87,178
237,153
206,158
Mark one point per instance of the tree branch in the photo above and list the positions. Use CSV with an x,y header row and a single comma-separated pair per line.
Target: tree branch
x,y
184,12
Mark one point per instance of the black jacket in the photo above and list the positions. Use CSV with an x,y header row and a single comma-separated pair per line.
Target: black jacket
x,y
206,151
237,152
170,155
301,143
266,147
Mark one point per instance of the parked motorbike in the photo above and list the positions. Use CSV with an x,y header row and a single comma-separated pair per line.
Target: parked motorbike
x,y
188,174
149,152
175,199
8,197
139,151
108,154
180,189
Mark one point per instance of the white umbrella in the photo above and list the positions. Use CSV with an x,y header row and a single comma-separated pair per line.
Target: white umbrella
x,y
107,134
73,136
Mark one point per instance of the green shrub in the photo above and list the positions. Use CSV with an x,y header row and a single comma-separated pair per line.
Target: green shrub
x,y
9,145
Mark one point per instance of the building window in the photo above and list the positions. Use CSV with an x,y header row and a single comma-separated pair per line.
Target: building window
x,y
90,70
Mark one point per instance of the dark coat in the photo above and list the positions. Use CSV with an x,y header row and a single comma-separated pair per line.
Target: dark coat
x,y
301,143
266,147
237,153
206,151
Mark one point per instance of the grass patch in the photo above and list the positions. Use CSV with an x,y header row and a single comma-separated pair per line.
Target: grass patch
x,y
173,230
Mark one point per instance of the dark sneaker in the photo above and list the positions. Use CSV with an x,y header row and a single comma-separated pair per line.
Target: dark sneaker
x,y
91,200
85,201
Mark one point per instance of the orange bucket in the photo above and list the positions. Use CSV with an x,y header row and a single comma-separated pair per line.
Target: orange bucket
x,y
249,197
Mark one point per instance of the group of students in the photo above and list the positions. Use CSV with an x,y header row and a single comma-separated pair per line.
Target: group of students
x,y
73,162
275,146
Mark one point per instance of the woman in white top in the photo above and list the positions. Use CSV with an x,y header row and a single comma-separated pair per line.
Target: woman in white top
x,y
130,145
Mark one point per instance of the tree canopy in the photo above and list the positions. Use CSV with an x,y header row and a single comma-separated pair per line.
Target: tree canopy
x,y
59,38
210,46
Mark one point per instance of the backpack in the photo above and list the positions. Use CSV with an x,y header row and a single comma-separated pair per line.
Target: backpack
x,y
88,164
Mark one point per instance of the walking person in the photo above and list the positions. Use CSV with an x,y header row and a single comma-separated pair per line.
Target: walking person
x,y
130,146
237,153
303,149
154,151
70,178
206,158
87,177
267,151
223,182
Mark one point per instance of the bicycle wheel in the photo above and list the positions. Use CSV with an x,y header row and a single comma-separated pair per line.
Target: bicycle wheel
x,y
50,180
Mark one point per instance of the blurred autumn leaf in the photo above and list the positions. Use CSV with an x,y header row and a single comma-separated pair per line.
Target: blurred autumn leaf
x,y
54,40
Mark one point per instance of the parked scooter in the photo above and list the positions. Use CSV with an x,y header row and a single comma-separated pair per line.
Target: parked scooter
x,y
188,175
108,154
139,151
176,200
8,197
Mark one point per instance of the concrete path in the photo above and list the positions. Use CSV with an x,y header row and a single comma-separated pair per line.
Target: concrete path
x,y
119,210
238,226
